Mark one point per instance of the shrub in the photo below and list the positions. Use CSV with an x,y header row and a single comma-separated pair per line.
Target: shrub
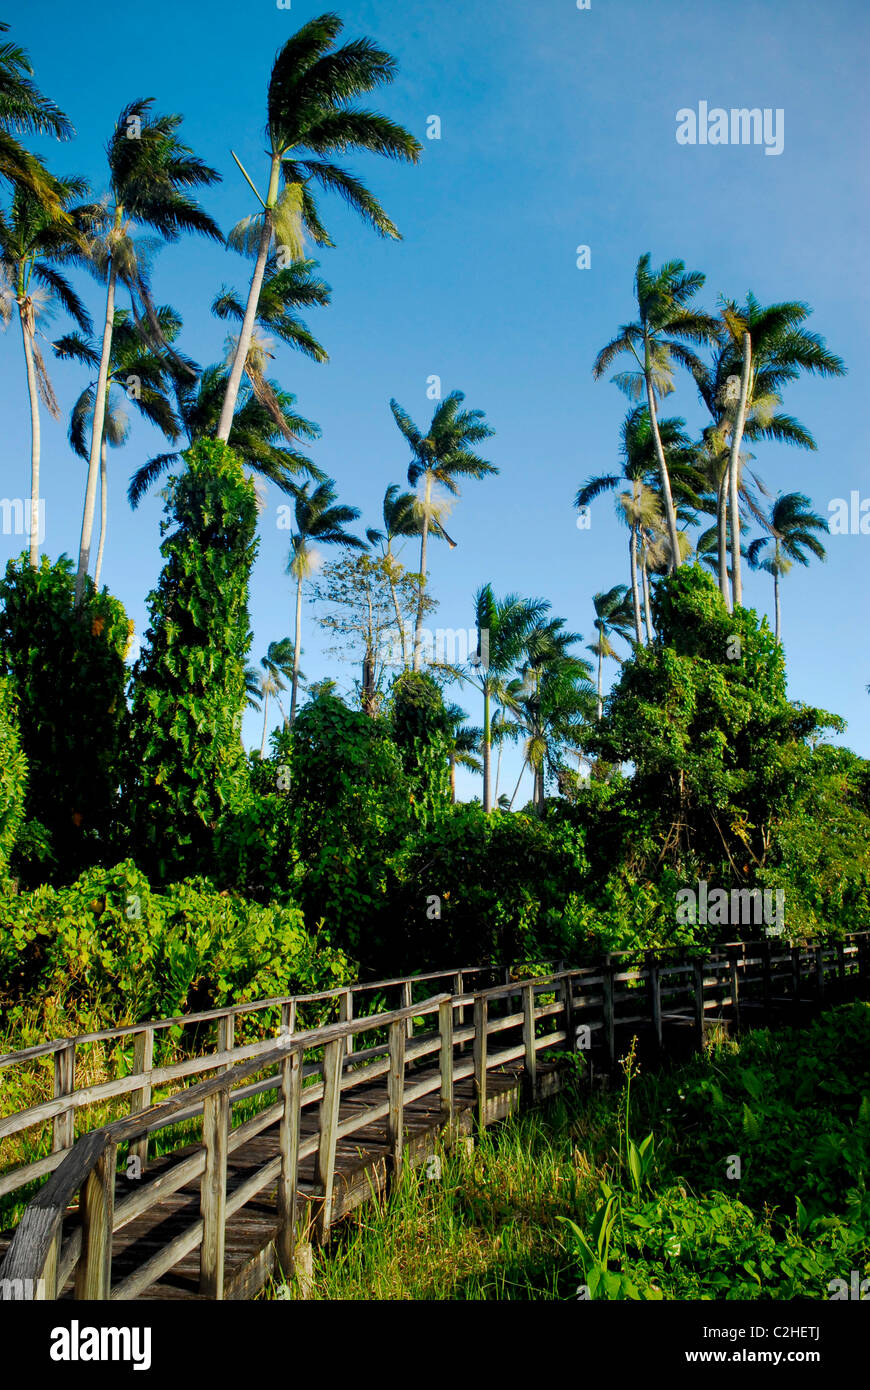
x,y
13,777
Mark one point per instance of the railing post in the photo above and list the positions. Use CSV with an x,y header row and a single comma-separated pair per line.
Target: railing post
x,y
795,952
841,965
345,1012
460,1011
226,1033
288,1016
407,1001
820,972
481,1014
63,1136
445,1028
735,986
531,1052
213,1193
567,990
609,1018
333,1053
93,1278
396,1089
143,1060
655,995
288,1137
698,978
766,981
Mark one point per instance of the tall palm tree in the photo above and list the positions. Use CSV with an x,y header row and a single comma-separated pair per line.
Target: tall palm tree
x,y
308,116
761,349
256,436
613,615
34,242
319,521
442,456
136,374
276,664
403,517
150,174
656,340
791,525
638,505
504,627
25,110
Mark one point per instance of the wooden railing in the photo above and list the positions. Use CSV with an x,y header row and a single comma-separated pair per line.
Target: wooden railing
x,y
567,1010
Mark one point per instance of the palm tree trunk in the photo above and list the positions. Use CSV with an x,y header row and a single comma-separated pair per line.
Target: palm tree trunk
x,y
418,625
104,508
96,440
635,591
498,770
295,684
647,615
25,316
734,471
670,512
600,660
452,775
265,709
228,409
517,787
397,611
487,734
776,604
722,537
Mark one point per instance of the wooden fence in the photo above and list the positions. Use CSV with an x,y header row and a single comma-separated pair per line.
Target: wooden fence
x,y
426,1049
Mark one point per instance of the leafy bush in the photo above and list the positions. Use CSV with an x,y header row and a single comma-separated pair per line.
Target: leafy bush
x,y
13,776
116,949
421,732
68,672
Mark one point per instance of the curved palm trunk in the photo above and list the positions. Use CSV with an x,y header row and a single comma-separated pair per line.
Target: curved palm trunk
x,y
104,508
734,472
722,537
635,591
517,787
647,615
670,512
26,317
600,662
424,538
487,734
778,633
498,770
265,715
228,409
295,684
96,440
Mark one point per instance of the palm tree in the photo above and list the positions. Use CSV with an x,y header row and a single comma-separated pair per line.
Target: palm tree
x,y
443,455
308,113
150,173
256,435
655,341
320,521
638,505
613,614
464,744
553,702
25,110
504,627
33,242
136,373
791,526
403,516
277,663
770,348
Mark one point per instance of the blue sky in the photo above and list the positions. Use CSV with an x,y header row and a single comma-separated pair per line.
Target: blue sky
x,y
558,129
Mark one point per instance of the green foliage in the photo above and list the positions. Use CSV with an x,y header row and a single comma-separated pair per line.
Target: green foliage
x,y
187,766
422,733
502,881
69,676
115,948
13,777
354,806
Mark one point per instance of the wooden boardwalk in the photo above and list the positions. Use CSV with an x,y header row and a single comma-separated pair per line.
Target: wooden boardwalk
x,y
332,1112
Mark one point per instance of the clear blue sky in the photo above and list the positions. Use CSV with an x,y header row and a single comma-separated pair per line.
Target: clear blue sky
x,y
558,128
